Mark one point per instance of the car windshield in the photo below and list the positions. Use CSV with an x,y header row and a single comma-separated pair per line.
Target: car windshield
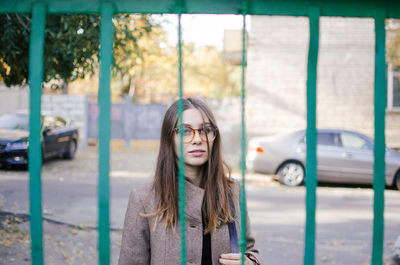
x,y
14,122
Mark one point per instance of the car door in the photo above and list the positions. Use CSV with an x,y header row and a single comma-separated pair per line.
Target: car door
x,y
358,151
329,154
63,135
49,137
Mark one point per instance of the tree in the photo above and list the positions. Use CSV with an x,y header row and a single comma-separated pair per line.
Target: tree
x,y
208,74
145,64
71,46
393,42
143,58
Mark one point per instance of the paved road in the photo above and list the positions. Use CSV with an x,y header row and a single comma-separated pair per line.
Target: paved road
x,y
344,214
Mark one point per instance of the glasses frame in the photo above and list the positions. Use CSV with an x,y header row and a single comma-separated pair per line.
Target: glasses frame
x,y
198,130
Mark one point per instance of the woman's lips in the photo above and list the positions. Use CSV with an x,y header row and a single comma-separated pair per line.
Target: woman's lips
x,y
197,152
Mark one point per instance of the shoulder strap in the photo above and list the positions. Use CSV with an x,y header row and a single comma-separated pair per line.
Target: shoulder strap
x,y
232,230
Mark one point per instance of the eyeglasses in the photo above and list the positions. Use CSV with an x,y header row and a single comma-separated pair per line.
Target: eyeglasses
x,y
206,133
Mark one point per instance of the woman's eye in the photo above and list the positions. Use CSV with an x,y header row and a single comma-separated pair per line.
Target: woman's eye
x,y
208,130
186,131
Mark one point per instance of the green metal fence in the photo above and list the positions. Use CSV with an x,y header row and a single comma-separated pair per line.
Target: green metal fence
x,y
377,9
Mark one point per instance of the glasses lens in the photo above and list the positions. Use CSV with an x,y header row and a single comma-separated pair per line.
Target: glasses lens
x,y
187,134
204,133
209,132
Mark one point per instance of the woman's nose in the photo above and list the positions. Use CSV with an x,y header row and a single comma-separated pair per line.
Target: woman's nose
x,y
196,138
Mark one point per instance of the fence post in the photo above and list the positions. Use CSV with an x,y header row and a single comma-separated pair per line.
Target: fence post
x,y
126,108
311,160
181,183
379,146
35,147
106,45
85,137
243,210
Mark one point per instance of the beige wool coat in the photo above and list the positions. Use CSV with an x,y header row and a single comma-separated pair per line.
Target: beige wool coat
x,y
144,245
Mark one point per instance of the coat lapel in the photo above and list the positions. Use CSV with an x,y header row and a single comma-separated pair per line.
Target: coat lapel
x,y
193,200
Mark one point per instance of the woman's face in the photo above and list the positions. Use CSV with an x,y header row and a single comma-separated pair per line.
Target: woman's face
x,y
195,151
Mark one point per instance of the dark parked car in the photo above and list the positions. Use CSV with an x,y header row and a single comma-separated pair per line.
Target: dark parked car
x,y
343,157
58,139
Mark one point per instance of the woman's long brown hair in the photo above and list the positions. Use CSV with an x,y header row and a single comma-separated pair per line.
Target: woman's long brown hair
x,y
215,174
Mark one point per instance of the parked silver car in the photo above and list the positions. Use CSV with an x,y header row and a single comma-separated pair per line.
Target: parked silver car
x,y
343,157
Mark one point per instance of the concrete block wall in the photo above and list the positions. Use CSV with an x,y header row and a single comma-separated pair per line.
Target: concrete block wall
x,y
227,112
392,131
70,107
346,74
277,72
14,98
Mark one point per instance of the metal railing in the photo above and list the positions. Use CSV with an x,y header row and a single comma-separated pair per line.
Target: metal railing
x,y
377,9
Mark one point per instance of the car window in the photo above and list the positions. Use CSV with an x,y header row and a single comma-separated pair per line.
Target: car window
x,y
59,122
328,139
354,141
325,138
49,122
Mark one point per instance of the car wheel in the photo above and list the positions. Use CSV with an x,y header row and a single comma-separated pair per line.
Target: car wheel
x,y
70,154
397,181
291,174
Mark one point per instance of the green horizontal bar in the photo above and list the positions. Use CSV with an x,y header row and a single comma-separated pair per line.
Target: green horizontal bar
x,y
35,147
311,160
106,45
379,147
346,8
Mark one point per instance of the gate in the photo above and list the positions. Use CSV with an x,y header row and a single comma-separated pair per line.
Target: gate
x,y
313,9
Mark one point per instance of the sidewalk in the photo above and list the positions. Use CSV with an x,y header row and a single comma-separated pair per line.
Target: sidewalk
x,y
63,244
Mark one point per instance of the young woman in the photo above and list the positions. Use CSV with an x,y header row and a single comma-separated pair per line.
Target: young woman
x,y
151,233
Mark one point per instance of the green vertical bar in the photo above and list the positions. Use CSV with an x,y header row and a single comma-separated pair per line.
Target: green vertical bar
x,y
35,147
243,216
311,161
182,213
379,147
106,45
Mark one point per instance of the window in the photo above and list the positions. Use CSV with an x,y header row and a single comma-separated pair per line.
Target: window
x,y
354,141
60,122
393,89
328,139
54,122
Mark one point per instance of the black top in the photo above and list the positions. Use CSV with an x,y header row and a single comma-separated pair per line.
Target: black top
x,y
206,253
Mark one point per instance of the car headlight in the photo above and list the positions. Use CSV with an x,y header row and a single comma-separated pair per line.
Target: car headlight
x,y
17,145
